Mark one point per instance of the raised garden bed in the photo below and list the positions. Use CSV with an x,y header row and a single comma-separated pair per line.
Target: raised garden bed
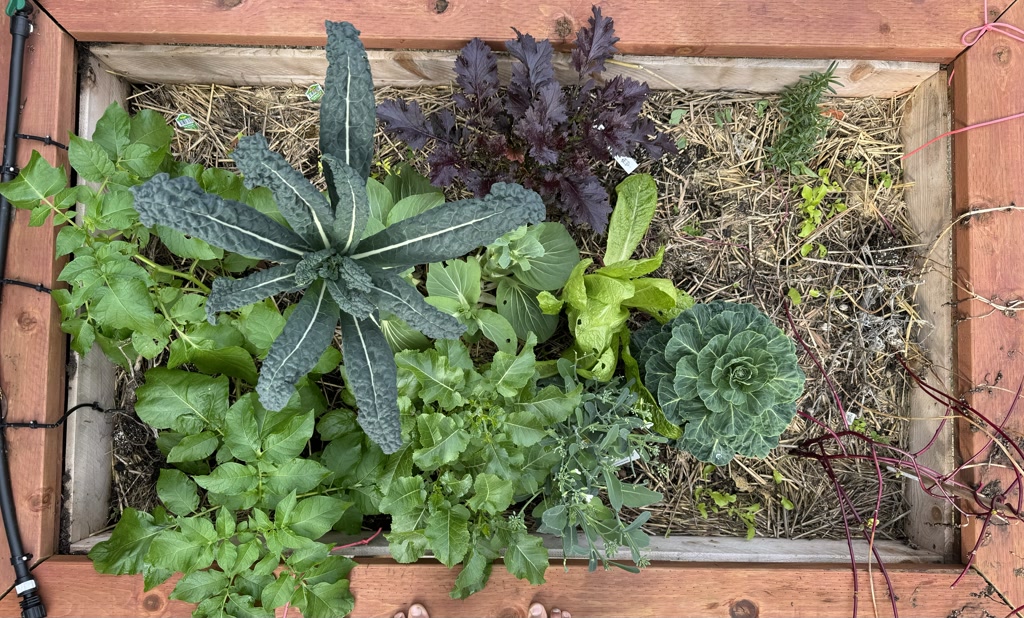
x,y
725,221
731,233
926,102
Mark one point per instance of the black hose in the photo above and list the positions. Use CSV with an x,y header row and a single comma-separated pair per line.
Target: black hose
x,y
21,27
24,584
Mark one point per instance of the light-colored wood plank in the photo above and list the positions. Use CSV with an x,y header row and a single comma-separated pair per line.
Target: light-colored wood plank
x,y
32,346
265,66
931,523
90,377
678,549
989,249
72,588
920,30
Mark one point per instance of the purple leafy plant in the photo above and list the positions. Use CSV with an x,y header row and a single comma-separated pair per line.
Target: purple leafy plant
x,y
535,132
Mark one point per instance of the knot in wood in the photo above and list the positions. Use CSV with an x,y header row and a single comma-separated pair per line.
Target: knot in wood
x,y
743,609
862,70
1003,55
563,27
440,6
41,500
152,603
27,321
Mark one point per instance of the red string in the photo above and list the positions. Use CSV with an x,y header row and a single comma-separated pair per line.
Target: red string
x,y
969,38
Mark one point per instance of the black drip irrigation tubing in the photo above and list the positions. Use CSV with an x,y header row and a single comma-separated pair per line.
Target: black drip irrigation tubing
x,y
24,584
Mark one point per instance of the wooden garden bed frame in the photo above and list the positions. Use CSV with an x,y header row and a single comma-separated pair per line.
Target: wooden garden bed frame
x,y
984,173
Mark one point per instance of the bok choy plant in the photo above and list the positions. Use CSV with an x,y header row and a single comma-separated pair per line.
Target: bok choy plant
x,y
342,275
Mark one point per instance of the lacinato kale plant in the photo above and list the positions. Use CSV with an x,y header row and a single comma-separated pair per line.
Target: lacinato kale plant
x,y
724,373
535,132
344,274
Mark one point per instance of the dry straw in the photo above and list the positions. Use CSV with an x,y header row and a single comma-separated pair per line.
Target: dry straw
x,y
730,227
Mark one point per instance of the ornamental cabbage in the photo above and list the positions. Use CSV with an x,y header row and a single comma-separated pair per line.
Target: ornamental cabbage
x,y
724,373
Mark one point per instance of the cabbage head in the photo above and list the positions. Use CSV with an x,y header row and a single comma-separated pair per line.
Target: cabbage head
x,y
725,374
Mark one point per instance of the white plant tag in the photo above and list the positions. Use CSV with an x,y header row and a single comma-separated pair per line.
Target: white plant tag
x,y
627,163
626,460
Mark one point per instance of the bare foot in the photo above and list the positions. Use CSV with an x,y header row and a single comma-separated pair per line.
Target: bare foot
x,y
418,611
539,611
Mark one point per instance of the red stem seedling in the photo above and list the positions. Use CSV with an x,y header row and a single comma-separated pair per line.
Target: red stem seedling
x,y
986,503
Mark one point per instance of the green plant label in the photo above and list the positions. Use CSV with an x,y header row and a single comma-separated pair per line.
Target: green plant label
x,y
186,122
315,92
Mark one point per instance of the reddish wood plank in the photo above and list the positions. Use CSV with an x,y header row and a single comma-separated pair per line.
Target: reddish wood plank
x,y
924,30
988,247
71,588
32,346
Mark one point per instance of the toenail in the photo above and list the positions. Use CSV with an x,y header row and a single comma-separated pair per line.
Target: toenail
x,y
415,611
536,611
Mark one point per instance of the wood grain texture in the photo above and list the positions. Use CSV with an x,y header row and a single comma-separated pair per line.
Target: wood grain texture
x,y
72,588
32,346
88,434
989,249
268,66
912,30
677,549
931,523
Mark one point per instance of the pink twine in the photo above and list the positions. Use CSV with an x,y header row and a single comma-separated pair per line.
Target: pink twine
x,y
1005,29
974,35
961,130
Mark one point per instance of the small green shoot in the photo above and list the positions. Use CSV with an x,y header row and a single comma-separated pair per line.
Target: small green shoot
x,y
723,117
811,247
677,116
794,297
812,210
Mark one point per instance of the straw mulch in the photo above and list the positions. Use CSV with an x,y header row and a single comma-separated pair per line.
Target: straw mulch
x,y
730,231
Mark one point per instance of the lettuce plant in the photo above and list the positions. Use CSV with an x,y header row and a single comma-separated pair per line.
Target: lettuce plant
x,y
495,294
535,132
598,303
478,441
726,374
342,274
